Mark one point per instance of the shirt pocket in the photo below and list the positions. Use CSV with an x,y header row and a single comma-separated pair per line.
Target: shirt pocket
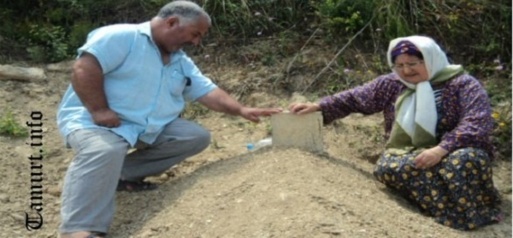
x,y
176,84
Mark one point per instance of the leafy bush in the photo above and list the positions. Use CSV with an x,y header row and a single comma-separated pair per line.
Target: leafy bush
x,y
257,18
502,130
10,127
47,43
342,17
497,82
472,30
78,35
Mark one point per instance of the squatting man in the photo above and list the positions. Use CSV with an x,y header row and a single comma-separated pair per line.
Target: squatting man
x,y
129,85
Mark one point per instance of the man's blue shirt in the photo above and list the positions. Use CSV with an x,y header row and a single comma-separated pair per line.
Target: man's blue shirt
x,y
145,93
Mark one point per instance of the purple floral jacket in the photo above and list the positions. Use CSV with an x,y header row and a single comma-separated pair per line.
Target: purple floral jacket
x,y
464,114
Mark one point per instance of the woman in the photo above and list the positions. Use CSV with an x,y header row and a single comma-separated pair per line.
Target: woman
x,y
438,124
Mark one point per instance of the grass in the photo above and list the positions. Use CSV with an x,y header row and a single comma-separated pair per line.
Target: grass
x,y
9,126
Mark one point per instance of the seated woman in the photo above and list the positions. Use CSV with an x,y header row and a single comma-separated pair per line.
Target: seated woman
x,y
438,124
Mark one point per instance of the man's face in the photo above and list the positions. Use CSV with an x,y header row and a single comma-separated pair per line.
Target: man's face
x,y
178,35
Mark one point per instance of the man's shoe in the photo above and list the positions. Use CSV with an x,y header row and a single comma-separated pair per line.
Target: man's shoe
x,y
135,186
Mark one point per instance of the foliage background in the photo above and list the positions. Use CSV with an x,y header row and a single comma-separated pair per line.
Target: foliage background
x,y
475,33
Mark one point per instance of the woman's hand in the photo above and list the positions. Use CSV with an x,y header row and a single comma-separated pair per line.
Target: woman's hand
x,y
430,157
304,108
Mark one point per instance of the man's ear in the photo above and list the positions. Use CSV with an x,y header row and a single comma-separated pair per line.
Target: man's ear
x,y
172,21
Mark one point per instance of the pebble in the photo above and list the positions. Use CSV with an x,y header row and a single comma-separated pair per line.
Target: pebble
x,y
127,221
4,198
164,177
147,233
17,217
64,66
54,191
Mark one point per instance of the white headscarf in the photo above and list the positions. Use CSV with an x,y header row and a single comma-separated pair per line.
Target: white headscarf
x,y
434,58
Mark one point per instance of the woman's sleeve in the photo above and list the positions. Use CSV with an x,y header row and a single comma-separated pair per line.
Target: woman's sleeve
x,y
367,99
475,121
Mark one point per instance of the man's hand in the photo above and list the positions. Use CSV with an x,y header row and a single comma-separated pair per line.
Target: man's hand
x,y
430,157
304,108
218,100
106,118
254,114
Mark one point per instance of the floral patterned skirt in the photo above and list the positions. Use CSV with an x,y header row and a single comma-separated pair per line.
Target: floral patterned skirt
x,y
458,191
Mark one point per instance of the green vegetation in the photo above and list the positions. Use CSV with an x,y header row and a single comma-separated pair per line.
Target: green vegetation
x,y
475,33
194,110
502,131
474,30
9,126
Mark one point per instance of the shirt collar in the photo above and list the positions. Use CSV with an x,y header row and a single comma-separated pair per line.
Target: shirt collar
x,y
145,29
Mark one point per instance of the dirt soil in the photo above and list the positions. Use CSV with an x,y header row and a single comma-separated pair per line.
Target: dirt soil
x,y
227,191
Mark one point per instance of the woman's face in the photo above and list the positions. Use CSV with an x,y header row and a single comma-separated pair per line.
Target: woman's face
x,y
410,68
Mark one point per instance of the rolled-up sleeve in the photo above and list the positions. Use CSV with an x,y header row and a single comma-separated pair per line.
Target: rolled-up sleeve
x,y
198,85
110,46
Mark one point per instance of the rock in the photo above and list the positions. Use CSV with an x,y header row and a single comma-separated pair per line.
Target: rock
x,y
4,198
17,217
35,91
164,177
54,191
54,234
126,221
21,73
64,66
23,151
147,233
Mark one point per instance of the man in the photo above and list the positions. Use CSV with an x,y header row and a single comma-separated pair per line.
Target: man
x,y
129,86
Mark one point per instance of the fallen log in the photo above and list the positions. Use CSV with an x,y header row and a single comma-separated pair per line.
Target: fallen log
x,y
21,73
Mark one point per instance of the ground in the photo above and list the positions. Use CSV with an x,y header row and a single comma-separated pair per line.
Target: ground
x,y
227,191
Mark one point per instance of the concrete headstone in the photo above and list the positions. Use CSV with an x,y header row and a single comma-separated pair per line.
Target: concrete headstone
x,y
298,131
